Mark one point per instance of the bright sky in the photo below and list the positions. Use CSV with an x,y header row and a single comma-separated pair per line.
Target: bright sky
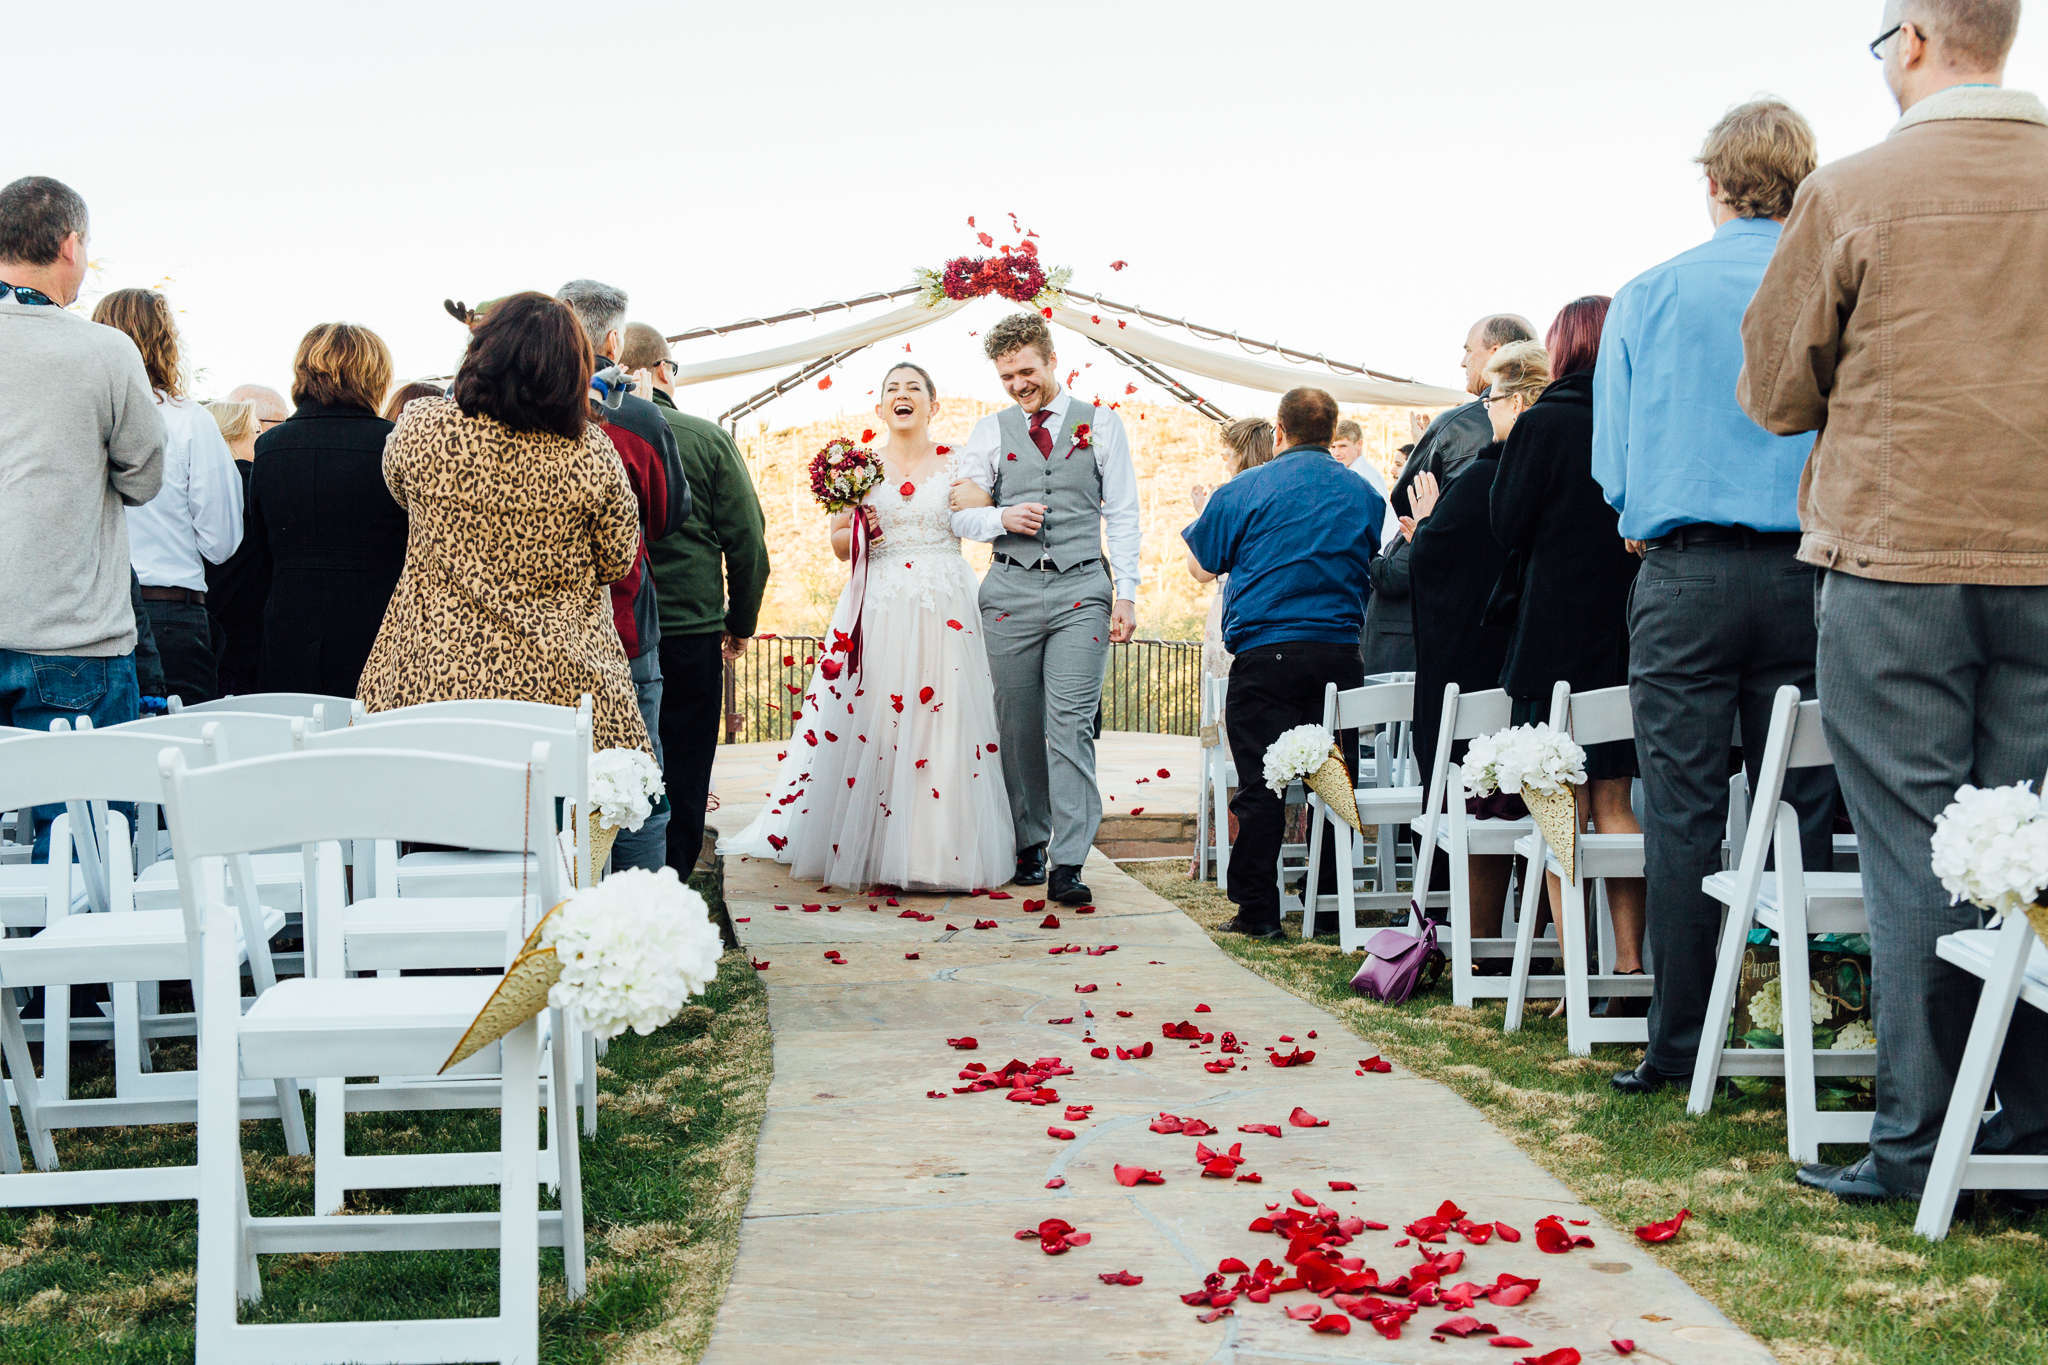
x,y
1361,179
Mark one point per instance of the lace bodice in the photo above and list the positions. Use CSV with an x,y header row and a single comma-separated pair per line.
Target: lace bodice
x,y
922,522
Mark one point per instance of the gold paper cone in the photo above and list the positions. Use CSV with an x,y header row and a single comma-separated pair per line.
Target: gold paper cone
x,y
1333,784
2037,915
1557,815
522,993
601,837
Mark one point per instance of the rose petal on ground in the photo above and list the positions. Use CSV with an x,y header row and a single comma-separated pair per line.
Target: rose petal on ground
x,y
1302,1312
1202,1009
1063,1134
1623,1346
1307,1201
1068,1020
1334,1323
1342,1185
1196,1128
1084,990
1464,1327
984,924
1506,1233
1120,1277
964,1044
1049,922
1553,1239
1301,1118
1374,1064
1033,907
1057,1182
1099,1053
1664,1231
1269,1129
935,1094
1214,1313
1508,1341
1129,1176
1250,1178
759,965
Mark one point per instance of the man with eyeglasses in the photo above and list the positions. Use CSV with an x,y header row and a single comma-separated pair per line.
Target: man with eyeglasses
x,y
1909,278
709,576
80,438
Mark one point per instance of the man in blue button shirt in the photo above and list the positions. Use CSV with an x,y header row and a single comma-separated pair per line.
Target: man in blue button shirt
x,y
1721,615
1296,536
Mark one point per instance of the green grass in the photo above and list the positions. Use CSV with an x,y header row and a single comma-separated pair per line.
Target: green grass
x,y
665,1182
1821,1282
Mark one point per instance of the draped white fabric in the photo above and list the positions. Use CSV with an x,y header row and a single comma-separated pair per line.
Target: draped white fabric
x,y
1247,373
906,319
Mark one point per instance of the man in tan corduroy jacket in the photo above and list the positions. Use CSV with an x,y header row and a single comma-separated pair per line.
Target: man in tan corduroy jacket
x,y
1899,319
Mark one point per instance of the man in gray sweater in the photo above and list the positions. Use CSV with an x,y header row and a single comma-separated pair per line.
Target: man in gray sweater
x,y
79,438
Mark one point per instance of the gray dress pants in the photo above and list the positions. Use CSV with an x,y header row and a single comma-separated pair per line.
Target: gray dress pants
x,y
1923,687
647,846
1714,631
1047,636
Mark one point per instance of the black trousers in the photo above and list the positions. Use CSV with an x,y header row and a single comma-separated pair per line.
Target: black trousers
x,y
1714,631
184,642
692,709
1275,688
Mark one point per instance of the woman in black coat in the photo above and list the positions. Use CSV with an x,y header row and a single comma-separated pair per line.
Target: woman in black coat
x,y
1571,621
323,531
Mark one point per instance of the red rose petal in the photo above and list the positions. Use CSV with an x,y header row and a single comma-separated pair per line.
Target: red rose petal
x,y
1374,1064
1334,1323
1552,1239
924,694
1138,1175
1508,1341
1623,1346
1057,1182
1303,1312
759,965
1664,1231
1214,1313
1084,990
1464,1327
1121,1277
1063,1134
964,1044
1269,1129
984,924
1563,1355
1342,1185
1099,1053
1506,1233
1301,1118
1049,922
1307,1201
1201,1009
1196,1128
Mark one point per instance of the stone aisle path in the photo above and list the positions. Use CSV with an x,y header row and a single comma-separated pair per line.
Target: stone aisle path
x,y
880,1226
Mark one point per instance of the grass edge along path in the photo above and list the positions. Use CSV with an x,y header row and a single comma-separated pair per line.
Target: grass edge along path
x,y
1821,1283
666,1181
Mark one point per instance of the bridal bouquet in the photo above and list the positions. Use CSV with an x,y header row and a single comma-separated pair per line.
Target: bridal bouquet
x,y
624,785
842,473
1309,754
1991,847
1541,765
631,949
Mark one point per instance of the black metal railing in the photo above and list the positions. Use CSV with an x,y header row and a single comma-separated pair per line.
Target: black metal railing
x,y
1153,686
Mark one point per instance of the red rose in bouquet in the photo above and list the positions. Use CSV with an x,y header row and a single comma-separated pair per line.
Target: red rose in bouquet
x,y
842,473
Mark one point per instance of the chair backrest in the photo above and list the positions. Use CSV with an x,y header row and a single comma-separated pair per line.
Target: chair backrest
x,y
332,712
1467,715
1213,692
1795,740
314,798
94,765
1357,708
1600,716
496,741
249,734
561,718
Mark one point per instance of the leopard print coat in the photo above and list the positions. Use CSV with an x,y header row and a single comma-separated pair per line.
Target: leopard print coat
x,y
513,537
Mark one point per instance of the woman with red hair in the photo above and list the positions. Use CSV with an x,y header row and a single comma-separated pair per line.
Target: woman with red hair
x,y
1567,585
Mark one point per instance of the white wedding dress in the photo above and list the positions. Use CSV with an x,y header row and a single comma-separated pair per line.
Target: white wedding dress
x,y
892,775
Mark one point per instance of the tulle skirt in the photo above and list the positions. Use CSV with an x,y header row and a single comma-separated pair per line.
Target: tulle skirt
x,y
892,776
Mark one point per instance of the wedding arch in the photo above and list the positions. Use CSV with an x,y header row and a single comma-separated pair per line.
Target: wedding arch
x,y
1162,358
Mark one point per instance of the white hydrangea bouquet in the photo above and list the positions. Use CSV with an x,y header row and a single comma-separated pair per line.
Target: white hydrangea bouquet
x,y
1991,847
1309,754
1544,767
624,785
623,954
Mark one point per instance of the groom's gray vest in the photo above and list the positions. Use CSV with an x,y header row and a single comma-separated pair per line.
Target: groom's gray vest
x,y
1069,483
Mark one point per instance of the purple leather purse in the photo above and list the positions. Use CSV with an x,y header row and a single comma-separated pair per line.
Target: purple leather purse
x,y
1396,963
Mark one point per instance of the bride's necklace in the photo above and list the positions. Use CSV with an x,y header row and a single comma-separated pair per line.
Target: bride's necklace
x,y
909,487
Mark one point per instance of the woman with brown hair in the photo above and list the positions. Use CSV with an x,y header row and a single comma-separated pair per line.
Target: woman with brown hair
x,y
327,540
405,393
195,520
520,516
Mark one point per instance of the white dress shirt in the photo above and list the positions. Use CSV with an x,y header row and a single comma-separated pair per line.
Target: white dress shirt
x,y
1390,525
1112,447
197,515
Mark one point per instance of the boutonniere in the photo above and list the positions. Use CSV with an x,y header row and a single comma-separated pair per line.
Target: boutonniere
x,y
1084,436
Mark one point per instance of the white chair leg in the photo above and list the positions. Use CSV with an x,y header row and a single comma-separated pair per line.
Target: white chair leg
x,y
221,1236
1461,908
519,1198
1795,975
1222,819
27,1090
589,1083
10,1151
1311,882
1525,941
569,1155
330,1146
1706,1071
1571,936
1995,1004
1349,934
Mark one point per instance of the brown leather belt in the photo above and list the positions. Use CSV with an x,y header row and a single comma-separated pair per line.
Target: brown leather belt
x,y
173,595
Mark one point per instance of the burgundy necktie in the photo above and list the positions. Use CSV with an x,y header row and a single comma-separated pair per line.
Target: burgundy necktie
x,y
1040,437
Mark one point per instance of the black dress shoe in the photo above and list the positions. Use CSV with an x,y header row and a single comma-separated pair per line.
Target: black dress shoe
x,y
1853,1184
1644,1080
1265,933
1030,865
1067,887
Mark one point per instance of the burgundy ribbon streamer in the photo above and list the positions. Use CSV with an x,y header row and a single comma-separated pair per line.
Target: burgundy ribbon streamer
x,y
858,587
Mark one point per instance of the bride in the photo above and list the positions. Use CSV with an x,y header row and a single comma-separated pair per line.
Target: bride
x,y
892,775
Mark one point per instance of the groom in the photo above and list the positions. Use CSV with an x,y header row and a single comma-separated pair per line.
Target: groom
x,y
1048,611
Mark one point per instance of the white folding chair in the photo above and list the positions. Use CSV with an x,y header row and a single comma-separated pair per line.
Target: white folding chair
x,y
1596,717
1444,825
325,713
2014,967
119,947
1359,708
1212,806
469,873
332,1026
1795,904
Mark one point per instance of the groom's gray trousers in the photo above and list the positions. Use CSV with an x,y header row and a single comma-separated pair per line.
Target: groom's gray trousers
x,y
1923,687
1047,635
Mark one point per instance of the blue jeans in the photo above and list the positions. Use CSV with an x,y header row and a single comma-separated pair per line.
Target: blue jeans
x,y
36,689
646,846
